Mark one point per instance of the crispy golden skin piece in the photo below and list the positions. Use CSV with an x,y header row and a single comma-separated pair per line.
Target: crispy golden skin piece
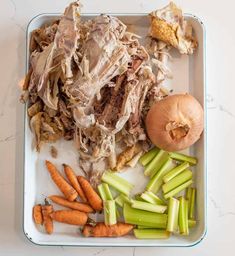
x,y
163,31
168,25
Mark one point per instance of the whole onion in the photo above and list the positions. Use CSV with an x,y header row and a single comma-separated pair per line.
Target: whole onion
x,y
175,123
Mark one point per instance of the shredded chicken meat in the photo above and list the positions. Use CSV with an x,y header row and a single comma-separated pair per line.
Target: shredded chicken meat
x,y
93,82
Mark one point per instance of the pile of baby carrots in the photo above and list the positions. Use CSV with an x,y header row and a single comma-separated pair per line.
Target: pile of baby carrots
x,y
75,188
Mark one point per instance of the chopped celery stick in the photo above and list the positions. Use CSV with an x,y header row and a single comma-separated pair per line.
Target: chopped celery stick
x,y
121,199
188,194
148,156
110,215
148,207
183,216
118,215
186,214
151,233
143,227
191,223
174,172
150,197
154,185
140,217
139,198
177,181
165,167
192,203
117,182
156,163
114,192
178,189
104,192
183,158
156,182
173,213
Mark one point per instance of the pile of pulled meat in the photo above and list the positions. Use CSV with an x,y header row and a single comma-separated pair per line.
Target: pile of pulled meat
x,y
92,82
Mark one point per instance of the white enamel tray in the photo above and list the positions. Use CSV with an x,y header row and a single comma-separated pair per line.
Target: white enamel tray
x,y
189,76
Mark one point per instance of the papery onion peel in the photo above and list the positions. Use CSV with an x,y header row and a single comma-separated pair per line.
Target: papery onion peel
x,y
175,123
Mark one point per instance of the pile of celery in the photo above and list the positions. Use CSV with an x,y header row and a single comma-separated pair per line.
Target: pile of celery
x,y
153,216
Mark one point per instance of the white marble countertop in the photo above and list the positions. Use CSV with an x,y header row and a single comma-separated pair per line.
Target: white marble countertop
x,y
219,21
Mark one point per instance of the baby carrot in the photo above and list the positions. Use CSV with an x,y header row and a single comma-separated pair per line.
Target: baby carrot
x,y
72,205
101,230
47,209
71,176
37,214
72,217
69,192
92,197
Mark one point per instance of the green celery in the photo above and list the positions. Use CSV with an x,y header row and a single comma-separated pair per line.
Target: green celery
x,y
150,197
148,156
168,164
174,172
151,233
154,185
118,215
183,158
148,207
156,182
192,204
143,227
178,189
186,214
173,213
117,182
177,181
121,199
191,223
110,214
183,216
188,193
114,192
140,217
156,163
139,198
104,192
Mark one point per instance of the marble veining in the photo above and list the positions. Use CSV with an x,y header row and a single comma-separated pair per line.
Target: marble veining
x,y
225,110
99,252
219,209
8,138
213,104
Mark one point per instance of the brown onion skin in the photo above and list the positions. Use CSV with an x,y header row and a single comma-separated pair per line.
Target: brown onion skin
x,y
181,108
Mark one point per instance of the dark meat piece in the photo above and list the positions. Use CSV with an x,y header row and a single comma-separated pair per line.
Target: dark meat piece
x,y
42,37
99,104
68,123
113,104
63,108
135,125
54,152
35,108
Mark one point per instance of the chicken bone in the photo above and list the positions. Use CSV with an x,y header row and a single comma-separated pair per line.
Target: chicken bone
x,y
125,156
103,55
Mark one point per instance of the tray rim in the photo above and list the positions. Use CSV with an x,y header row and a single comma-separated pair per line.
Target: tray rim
x,y
140,244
